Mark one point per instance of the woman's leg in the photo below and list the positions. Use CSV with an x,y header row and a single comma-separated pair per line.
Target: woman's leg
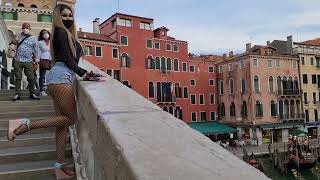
x,y
42,78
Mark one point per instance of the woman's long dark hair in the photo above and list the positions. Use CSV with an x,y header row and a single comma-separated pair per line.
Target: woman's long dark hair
x,y
40,37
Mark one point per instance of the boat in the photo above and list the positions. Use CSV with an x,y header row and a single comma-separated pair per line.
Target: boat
x,y
252,160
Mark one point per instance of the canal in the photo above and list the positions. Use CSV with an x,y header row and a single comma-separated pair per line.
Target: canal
x,y
274,174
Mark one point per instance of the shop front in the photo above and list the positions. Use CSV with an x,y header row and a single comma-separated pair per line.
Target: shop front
x,y
313,129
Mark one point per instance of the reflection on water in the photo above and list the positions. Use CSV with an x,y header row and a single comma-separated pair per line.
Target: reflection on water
x,y
313,174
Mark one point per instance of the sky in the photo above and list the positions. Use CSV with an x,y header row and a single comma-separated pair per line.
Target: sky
x,y
215,26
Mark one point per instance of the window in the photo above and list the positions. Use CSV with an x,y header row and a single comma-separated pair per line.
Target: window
x,y
176,65
311,61
146,26
125,60
270,63
185,92
255,62
259,109
192,82
277,63
242,64
231,86
9,15
230,67
193,99
302,61
305,78
163,65
149,43
243,85
124,40
221,88
88,51
178,90
157,45
203,116
314,79
168,47
211,82
171,110
151,90
271,84
211,69
109,72
232,110
175,48
125,22
273,107
256,84
98,51
169,67
184,67
307,115
157,63
220,69
201,99
212,116
194,117
115,53
191,69
150,63
244,112
222,110
305,98
33,6
314,95
44,18
212,99
294,64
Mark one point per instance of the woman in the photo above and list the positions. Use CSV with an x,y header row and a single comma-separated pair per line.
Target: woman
x,y
45,57
66,52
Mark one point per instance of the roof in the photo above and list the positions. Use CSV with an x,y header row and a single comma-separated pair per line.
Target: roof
x,y
120,14
207,58
212,127
163,27
96,37
313,42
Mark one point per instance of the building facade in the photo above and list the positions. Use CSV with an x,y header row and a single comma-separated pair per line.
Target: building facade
x,y
5,63
259,94
156,66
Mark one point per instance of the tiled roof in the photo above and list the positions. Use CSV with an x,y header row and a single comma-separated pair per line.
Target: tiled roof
x,y
207,58
313,42
96,37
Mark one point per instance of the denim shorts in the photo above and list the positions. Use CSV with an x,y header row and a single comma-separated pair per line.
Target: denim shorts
x,y
60,74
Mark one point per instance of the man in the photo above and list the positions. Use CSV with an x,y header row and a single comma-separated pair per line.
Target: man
x,y
28,49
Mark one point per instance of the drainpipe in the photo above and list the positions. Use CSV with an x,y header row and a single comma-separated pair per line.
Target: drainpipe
x,y
300,86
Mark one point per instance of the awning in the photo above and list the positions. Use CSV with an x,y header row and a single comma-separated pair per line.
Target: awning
x,y
212,128
280,125
299,133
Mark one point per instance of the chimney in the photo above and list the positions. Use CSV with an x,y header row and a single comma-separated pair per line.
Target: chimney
x,y
289,44
231,54
80,29
96,24
224,56
248,47
268,43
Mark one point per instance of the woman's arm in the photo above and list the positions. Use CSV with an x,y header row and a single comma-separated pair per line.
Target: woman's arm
x,y
61,44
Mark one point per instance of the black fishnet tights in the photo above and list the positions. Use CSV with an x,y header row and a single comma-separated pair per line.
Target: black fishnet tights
x,y
66,115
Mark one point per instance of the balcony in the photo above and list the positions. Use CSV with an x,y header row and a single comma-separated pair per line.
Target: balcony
x,y
292,117
303,50
289,92
166,99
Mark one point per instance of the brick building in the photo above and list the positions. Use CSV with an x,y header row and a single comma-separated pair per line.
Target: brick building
x,y
155,65
259,94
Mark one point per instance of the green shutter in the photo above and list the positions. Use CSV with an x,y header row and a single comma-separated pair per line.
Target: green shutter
x,y
44,18
9,15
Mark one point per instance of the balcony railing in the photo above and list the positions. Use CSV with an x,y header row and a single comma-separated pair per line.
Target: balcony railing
x,y
163,70
303,50
296,116
289,92
166,99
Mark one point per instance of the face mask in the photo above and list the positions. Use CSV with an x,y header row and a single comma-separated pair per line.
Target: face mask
x,y
46,36
26,31
67,23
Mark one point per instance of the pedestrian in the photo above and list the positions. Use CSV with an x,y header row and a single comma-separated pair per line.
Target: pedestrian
x,y
66,52
27,48
45,58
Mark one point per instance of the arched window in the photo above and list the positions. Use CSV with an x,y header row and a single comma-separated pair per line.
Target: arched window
x,y
165,109
33,6
285,85
176,65
271,84
256,84
231,86
279,84
178,112
163,65
126,83
296,84
125,60
178,90
298,105
151,90
20,5
222,112
171,110
221,88
273,107
232,110
150,63
157,63
169,68
290,84
259,109
292,109
159,92
286,109
281,109
243,85
244,110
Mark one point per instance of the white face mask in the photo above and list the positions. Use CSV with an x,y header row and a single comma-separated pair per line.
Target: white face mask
x,y
26,31
46,36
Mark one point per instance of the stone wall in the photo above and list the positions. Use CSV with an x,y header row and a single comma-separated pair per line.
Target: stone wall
x,y
122,136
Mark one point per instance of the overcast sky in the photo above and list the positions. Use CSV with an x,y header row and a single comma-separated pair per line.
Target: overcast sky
x,y
215,26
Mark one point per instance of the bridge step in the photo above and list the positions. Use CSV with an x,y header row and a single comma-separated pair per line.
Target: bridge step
x,y
20,108
16,115
9,97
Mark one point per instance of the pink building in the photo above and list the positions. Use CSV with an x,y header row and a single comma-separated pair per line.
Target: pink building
x,y
259,94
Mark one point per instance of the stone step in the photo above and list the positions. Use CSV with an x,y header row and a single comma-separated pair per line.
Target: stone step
x,y
16,115
25,103
33,153
4,109
8,98
12,92
28,140
4,131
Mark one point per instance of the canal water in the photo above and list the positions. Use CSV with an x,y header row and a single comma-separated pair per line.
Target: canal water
x,y
274,174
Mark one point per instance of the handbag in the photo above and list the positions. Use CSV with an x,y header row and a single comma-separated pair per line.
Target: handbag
x,y
12,50
45,64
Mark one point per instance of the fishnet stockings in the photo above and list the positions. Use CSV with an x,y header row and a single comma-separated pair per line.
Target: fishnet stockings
x,y
66,115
